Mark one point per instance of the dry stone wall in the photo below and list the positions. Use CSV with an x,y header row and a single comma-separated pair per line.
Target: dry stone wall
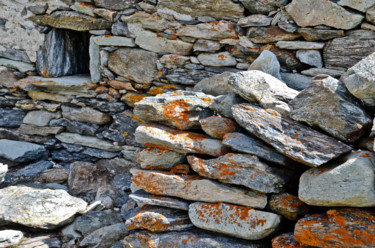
x,y
159,123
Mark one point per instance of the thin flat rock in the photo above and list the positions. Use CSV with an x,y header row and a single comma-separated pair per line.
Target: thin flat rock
x,y
143,198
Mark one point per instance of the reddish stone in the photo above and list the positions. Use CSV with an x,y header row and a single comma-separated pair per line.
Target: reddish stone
x,y
217,127
285,240
290,206
181,169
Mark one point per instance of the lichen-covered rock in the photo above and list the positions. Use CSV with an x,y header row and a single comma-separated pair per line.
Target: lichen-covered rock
x,y
240,169
289,206
181,109
285,240
346,182
269,34
290,138
194,188
348,227
150,21
217,59
211,30
116,4
20,151
237,221
217,127
144,198
38,208
157,136
328,105
154,158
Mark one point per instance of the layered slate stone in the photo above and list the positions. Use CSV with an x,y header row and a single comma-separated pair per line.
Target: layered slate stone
x,y
134,64
288,137
247,144
217,127
325,13
194,188
348,227
360,80
180,109
89,141
105,236
187,239
58,208
217,60
240,169
237,221
20,151
285,240
223,104
40,118
269,34
226,10
11,117
115,4
328,105
85,114
346,182
256,20
215,85
264,6
150,21
157,136
289,206
313,34
144,198
71,20
211,30
159,219
360,5
159,158
264,89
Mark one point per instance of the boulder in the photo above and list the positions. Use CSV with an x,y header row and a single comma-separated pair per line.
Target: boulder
x,y
154,158
217,127
20,151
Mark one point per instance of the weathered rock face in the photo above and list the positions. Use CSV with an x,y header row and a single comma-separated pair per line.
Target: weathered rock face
x,y
290,138
217,127
289,206
215,85
267,62
58,208
269,34
347,182
11,117
105,236
313,34
259,87
85,114
39,118
263,7
359,80
360,5
159,158
194,188
333,110
325,13
20,151
181,109
134,64
115,4
223,104
144,198
212,30
240,169
285,240
237,221
217,60
348,227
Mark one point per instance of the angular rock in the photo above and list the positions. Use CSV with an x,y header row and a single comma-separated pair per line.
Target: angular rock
x,y
115,4
346,51
325,13
263,7
150,158
39,118
194,188
348,227
370,15
237,221
54,176
19,151
246,144
3,171
223,104
34,169
144,198
262,88
157,136
159,219
95,61
317,71
85,114
267,62
187,77
299,45
360,5
72,138
226,10
360,82
217,127
11,117
346,182
82,128
114,41
255,21
240,169
219,59
105,236
7,77
95,220
296,81
310,57
289,206
150,21
290,138
206,46
215,85
71,20
84,8
58,207
181,109
313,34
40,96
174,61
285,240
135,64
20,66
10,238
210,31
333,110
269,34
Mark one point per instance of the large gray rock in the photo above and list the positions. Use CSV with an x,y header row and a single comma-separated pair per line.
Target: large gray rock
x,y
347,182
215,85
38,208
85,114
19,66
223,104
360,80
263,89
20,151
39,118
296,81
144,198
267,62
195,188
34,169
8,238
240,169
3,171
360,5
237,221
181,109
325,13
157,136
11,117
159,158
105,236
310,57
134,64
217,59
210,31
288,137
328,105
263,7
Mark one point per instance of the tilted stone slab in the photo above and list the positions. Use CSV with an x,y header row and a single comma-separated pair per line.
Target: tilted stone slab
x,y
20,151
144,198
85,114
195,188
217,126
89,141
264,6
159,158
299,142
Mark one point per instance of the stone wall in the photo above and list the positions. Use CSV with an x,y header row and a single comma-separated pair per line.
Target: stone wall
x,y
198,164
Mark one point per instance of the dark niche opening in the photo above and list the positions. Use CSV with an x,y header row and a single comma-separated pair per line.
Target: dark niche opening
x,y
64,52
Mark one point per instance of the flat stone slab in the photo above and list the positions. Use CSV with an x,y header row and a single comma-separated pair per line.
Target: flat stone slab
x,y
20,66
299,45
114,41
86,114
144,198
237,221
89,141
285,240
20,151
11,117
159,158
287,205
38,208
288,137
210,31
194,188
217,126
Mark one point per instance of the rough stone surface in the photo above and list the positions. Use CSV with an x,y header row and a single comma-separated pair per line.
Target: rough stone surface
x,y
296,81
217,127
20,151
333,110
269,34
348,227
218,60
259,87
11,117
346,182
158,158
194,188
299,45
144,198
313,34
34,169
285,240
256,20
212,30
287,205
85,114
263,7
360,5
237,221
3,171
58,208
181,109
115,4
215,85
223,104
39,118
20,66
290,138
310,57
105,236
93,142
94,220
267,62
9,238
